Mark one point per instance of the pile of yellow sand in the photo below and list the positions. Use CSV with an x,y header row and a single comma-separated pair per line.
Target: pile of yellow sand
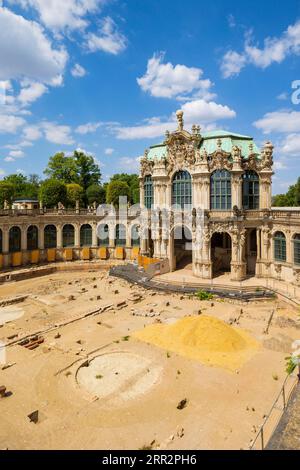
x,y
203,338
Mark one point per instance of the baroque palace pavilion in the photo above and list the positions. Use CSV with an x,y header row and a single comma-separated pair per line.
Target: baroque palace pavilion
x,y
221,186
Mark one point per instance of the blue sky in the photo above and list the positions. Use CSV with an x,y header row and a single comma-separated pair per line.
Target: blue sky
x,y
107,76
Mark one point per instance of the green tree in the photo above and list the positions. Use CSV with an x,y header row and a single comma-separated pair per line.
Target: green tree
x,y
290,199
96,193
115,189
52,192
88,172
7,192
24,188
133,182
62,168
75,193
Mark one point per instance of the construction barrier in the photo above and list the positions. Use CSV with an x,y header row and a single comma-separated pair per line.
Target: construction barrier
x,y
16,259
34,256
68,254
51,255
103,252
135,252
85,253
119,252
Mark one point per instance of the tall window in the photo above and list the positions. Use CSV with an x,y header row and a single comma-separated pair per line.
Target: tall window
x,y
220,190
68,236
296,241
279,246
50,236
250,190
148,191
14,239
103,235
32,238
86,235
120,235
1,248
182,189
135,237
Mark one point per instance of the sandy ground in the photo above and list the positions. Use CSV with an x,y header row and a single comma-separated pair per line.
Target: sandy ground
x,y
126,395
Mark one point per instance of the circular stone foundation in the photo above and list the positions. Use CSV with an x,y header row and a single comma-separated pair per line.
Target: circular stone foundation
x,y
119,376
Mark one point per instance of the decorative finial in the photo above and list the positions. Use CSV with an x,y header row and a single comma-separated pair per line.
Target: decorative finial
x,y
219,143
251,147
180,121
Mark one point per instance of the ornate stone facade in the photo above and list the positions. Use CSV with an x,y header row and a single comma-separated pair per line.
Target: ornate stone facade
x,y
250,230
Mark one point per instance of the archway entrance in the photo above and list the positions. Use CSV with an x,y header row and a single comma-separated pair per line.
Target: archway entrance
x,y
182,248
221,252
251,251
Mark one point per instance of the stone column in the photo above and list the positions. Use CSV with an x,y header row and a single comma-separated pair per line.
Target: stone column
x,y
205,193
237,190
76,235
265,190
24,238
94,235
5,240
289,251
41,238
59,236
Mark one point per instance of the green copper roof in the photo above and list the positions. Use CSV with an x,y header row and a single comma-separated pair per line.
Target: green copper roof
x,y
229,139
157,151
210,143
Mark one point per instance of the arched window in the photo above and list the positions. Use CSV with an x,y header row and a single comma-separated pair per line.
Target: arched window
x,y
68,236
1,249
120,235
32,238
50,236
182,189
86,235
220,190
103,235
14,239
296,241
250,190
148,192
279,247
135,236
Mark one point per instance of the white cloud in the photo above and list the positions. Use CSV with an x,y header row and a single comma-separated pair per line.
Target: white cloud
x,y
32,133
232,64
108,39
202,111
26,51
109,151
10,124
2,172
279,121
16,153
129,164
283,96
78,71
9,159
67,14
194,111
88,128
290,146
231,21
31,92
274,50
57,134
164,80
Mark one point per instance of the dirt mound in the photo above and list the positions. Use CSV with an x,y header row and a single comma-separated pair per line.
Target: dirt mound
x,y
203,338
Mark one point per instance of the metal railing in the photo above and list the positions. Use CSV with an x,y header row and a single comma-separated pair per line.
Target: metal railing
x,y
271,421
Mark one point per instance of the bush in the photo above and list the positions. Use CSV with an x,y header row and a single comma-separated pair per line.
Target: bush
x,y
203,295
74,193
95,193
115,189
52,192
